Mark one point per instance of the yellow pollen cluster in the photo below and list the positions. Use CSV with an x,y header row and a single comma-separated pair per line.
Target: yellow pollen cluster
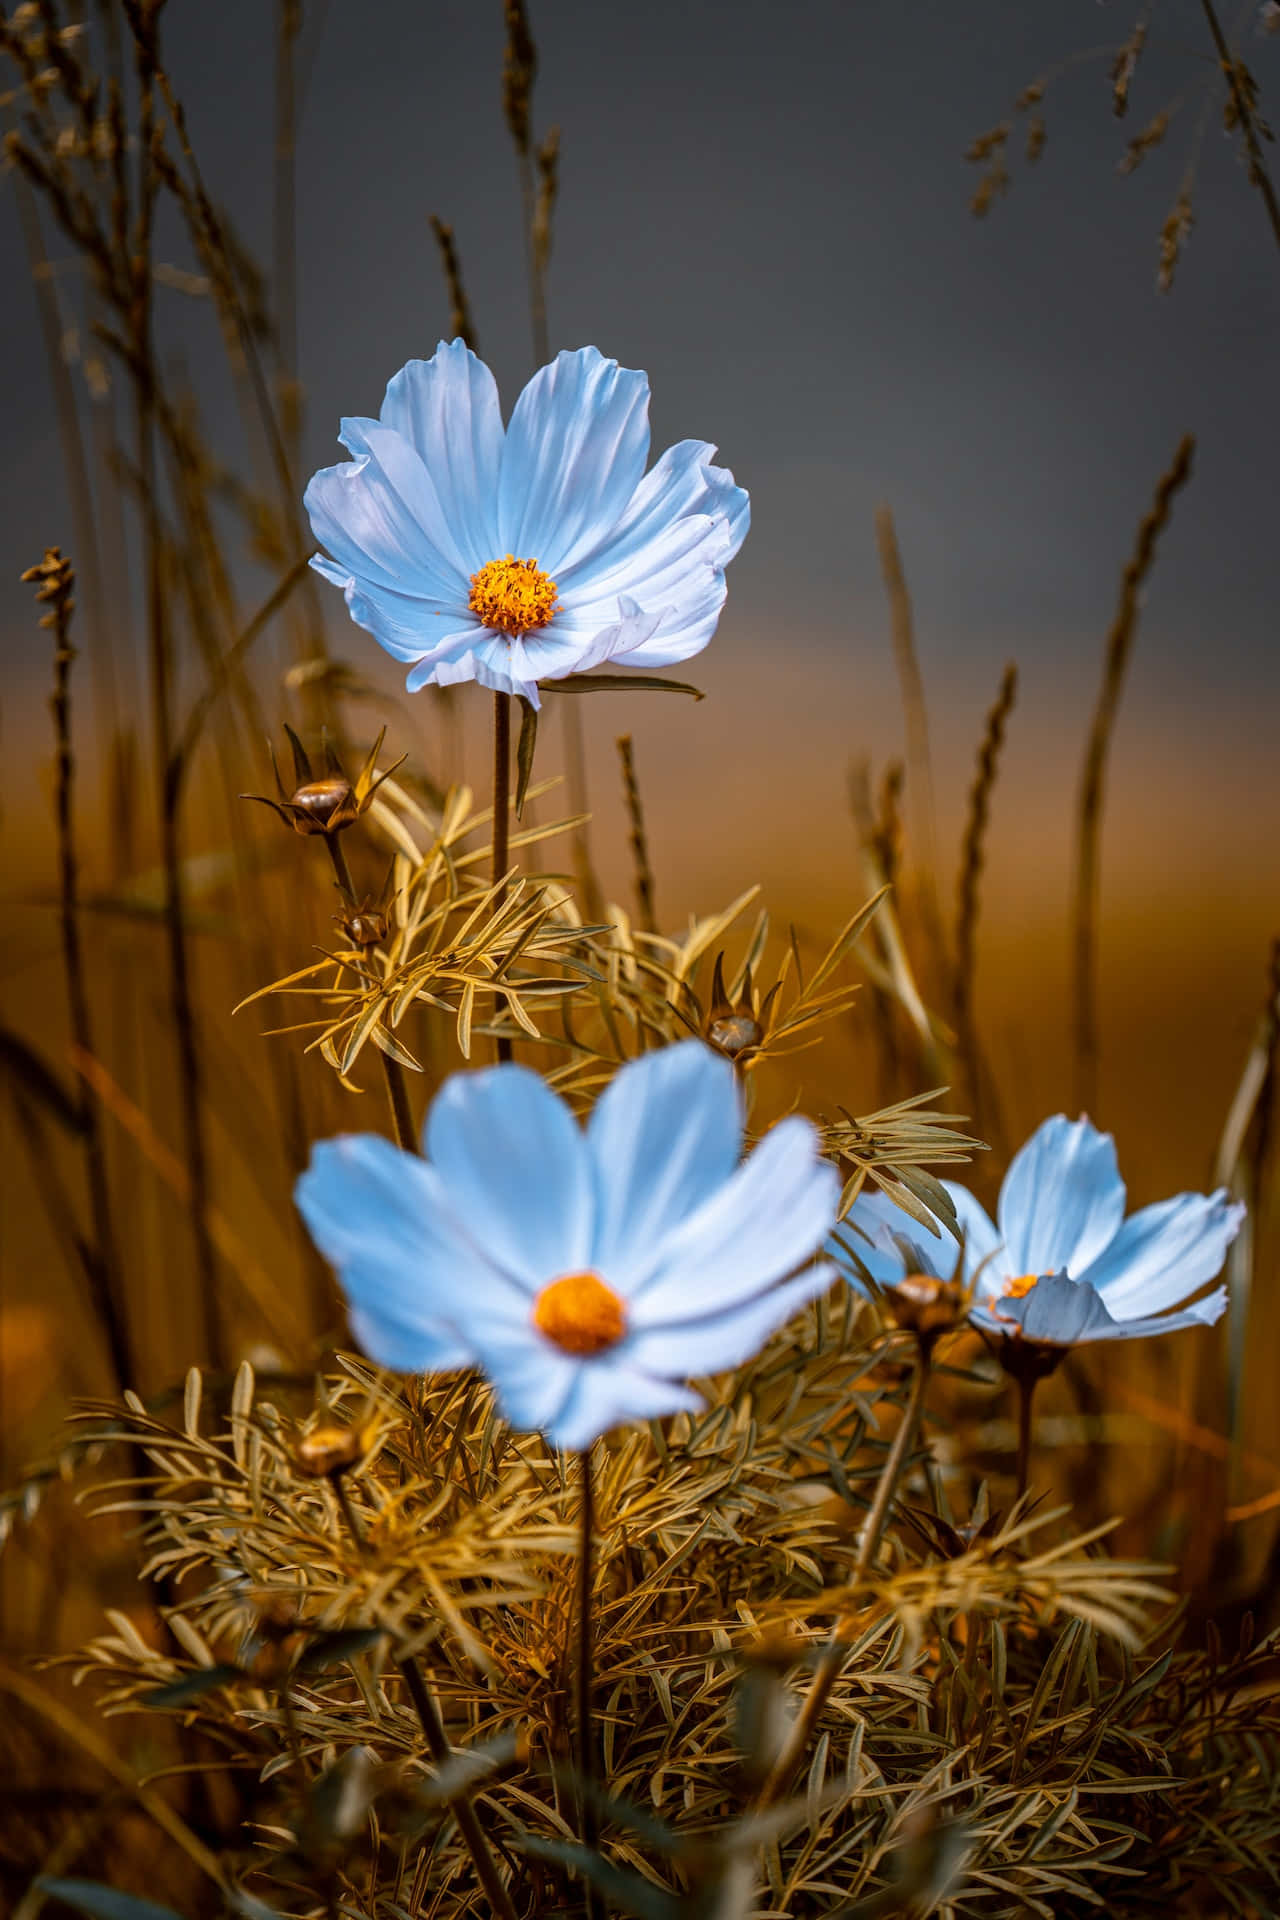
x,y
512,596
1020,1288
580,1313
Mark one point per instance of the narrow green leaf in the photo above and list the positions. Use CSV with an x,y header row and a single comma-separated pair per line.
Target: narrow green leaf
x,y
331,1649
189,1686
618,683
105,1903
524,751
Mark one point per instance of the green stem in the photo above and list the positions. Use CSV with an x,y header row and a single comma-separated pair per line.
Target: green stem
x,y
832,1657
501,810
586,1743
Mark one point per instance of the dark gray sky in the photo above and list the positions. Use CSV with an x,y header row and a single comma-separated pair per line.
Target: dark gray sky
x,y
765,206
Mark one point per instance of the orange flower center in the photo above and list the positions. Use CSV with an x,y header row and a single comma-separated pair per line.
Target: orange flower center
x,y
512,596
1020,1288
580,1313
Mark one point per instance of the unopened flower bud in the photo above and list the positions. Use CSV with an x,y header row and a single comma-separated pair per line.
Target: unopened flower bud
x,y
328,1451
364,926
924,1305
733,1033
322,806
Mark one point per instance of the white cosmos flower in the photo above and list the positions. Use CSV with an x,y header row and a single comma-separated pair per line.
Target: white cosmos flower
x,y
514,555
589,1271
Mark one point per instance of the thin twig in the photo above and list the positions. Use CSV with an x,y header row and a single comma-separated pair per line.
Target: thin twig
x,y
100,1258
1118,649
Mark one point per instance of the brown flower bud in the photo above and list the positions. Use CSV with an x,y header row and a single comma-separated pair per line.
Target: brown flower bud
x,y
365,925
926,1306
329,1451
322,806
733,1033
326,802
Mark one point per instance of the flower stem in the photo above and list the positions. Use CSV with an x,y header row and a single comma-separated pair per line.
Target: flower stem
x,y
1027,1383
398,1096
428,1712
501,809
392,1071
424,1705
586,1746
338,855
832,1655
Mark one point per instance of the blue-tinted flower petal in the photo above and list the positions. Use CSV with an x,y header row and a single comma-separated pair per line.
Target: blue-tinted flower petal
x,y
1060,1312
407,1346
683,630
515,666
664,1137
382,1219
516,1168
979,1238
532,1378
381,519
575,451
682,481
448,661
878,1236
1201,1313
1062,1199
776,1210
730,1336
608,1392
406,626
1163,1253
447,409
1056,1312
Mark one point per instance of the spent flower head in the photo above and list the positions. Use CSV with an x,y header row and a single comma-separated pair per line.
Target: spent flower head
x,y
531,552
589,1272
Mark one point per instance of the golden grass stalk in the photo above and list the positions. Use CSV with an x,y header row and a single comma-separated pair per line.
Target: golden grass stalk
x,y
1119,646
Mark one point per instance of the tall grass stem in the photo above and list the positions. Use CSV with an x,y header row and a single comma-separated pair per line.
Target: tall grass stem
x,y
1093,778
